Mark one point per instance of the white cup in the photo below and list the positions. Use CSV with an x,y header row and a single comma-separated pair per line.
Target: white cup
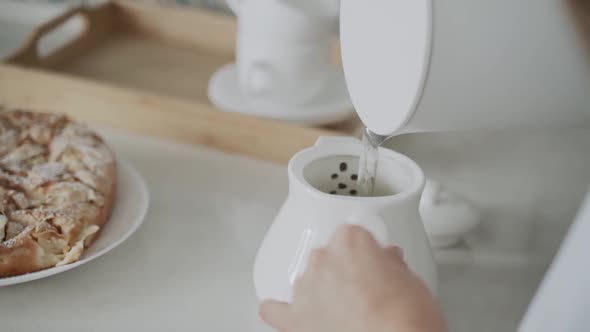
x,y
283,53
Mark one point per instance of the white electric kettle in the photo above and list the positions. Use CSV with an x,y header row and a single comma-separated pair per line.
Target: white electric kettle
x,y
425,65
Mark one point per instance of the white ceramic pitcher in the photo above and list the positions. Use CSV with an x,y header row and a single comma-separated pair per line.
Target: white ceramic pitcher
x,y
312,212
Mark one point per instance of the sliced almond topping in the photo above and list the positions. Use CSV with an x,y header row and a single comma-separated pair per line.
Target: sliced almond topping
x,y
13,229
88,234
40,134
9,140
73,255
63,193
22,153
24,217
19,199
11,200
49,239
11,180
39,175
98,183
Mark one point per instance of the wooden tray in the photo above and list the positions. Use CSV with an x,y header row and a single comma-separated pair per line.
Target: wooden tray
x,y
153,114
169,51
19,18
145,68
163,50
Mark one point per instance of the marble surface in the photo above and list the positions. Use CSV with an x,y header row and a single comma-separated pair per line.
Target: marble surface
x,y
189,266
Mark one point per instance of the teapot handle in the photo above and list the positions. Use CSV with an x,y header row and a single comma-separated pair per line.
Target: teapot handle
x,y
373,223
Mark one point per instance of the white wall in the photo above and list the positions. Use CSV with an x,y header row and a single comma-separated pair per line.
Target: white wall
x,y
529,185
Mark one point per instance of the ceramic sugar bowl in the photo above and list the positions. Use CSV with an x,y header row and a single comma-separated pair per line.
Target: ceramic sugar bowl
x,y
323,195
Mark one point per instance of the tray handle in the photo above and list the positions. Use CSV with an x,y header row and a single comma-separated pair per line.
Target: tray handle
x,y
28,54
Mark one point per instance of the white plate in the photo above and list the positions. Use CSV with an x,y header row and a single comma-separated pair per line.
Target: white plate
x,y
130,208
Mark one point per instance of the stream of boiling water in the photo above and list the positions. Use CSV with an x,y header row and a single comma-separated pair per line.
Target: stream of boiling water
x,y
369,161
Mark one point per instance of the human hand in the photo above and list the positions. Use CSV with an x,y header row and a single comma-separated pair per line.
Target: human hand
x,y
354,285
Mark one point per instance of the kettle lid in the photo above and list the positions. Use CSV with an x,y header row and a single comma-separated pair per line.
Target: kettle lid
x,y
386,49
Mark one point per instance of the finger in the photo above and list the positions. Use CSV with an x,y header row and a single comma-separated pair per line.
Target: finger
x,y
317,259
349,237
396,253
276,314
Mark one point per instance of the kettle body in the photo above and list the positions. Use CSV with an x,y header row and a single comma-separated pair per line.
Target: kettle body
x,y
424,65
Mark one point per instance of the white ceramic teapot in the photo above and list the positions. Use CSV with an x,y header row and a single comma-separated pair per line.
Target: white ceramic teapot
x,y
322,196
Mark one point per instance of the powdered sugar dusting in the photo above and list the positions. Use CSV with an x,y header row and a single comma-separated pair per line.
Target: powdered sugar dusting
x,y
44,173
9,243
23,152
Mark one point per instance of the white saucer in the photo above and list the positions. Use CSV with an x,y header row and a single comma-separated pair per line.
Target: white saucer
x,y
331,107
128,213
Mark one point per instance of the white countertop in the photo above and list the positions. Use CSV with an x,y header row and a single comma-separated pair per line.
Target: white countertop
x,y
188,268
